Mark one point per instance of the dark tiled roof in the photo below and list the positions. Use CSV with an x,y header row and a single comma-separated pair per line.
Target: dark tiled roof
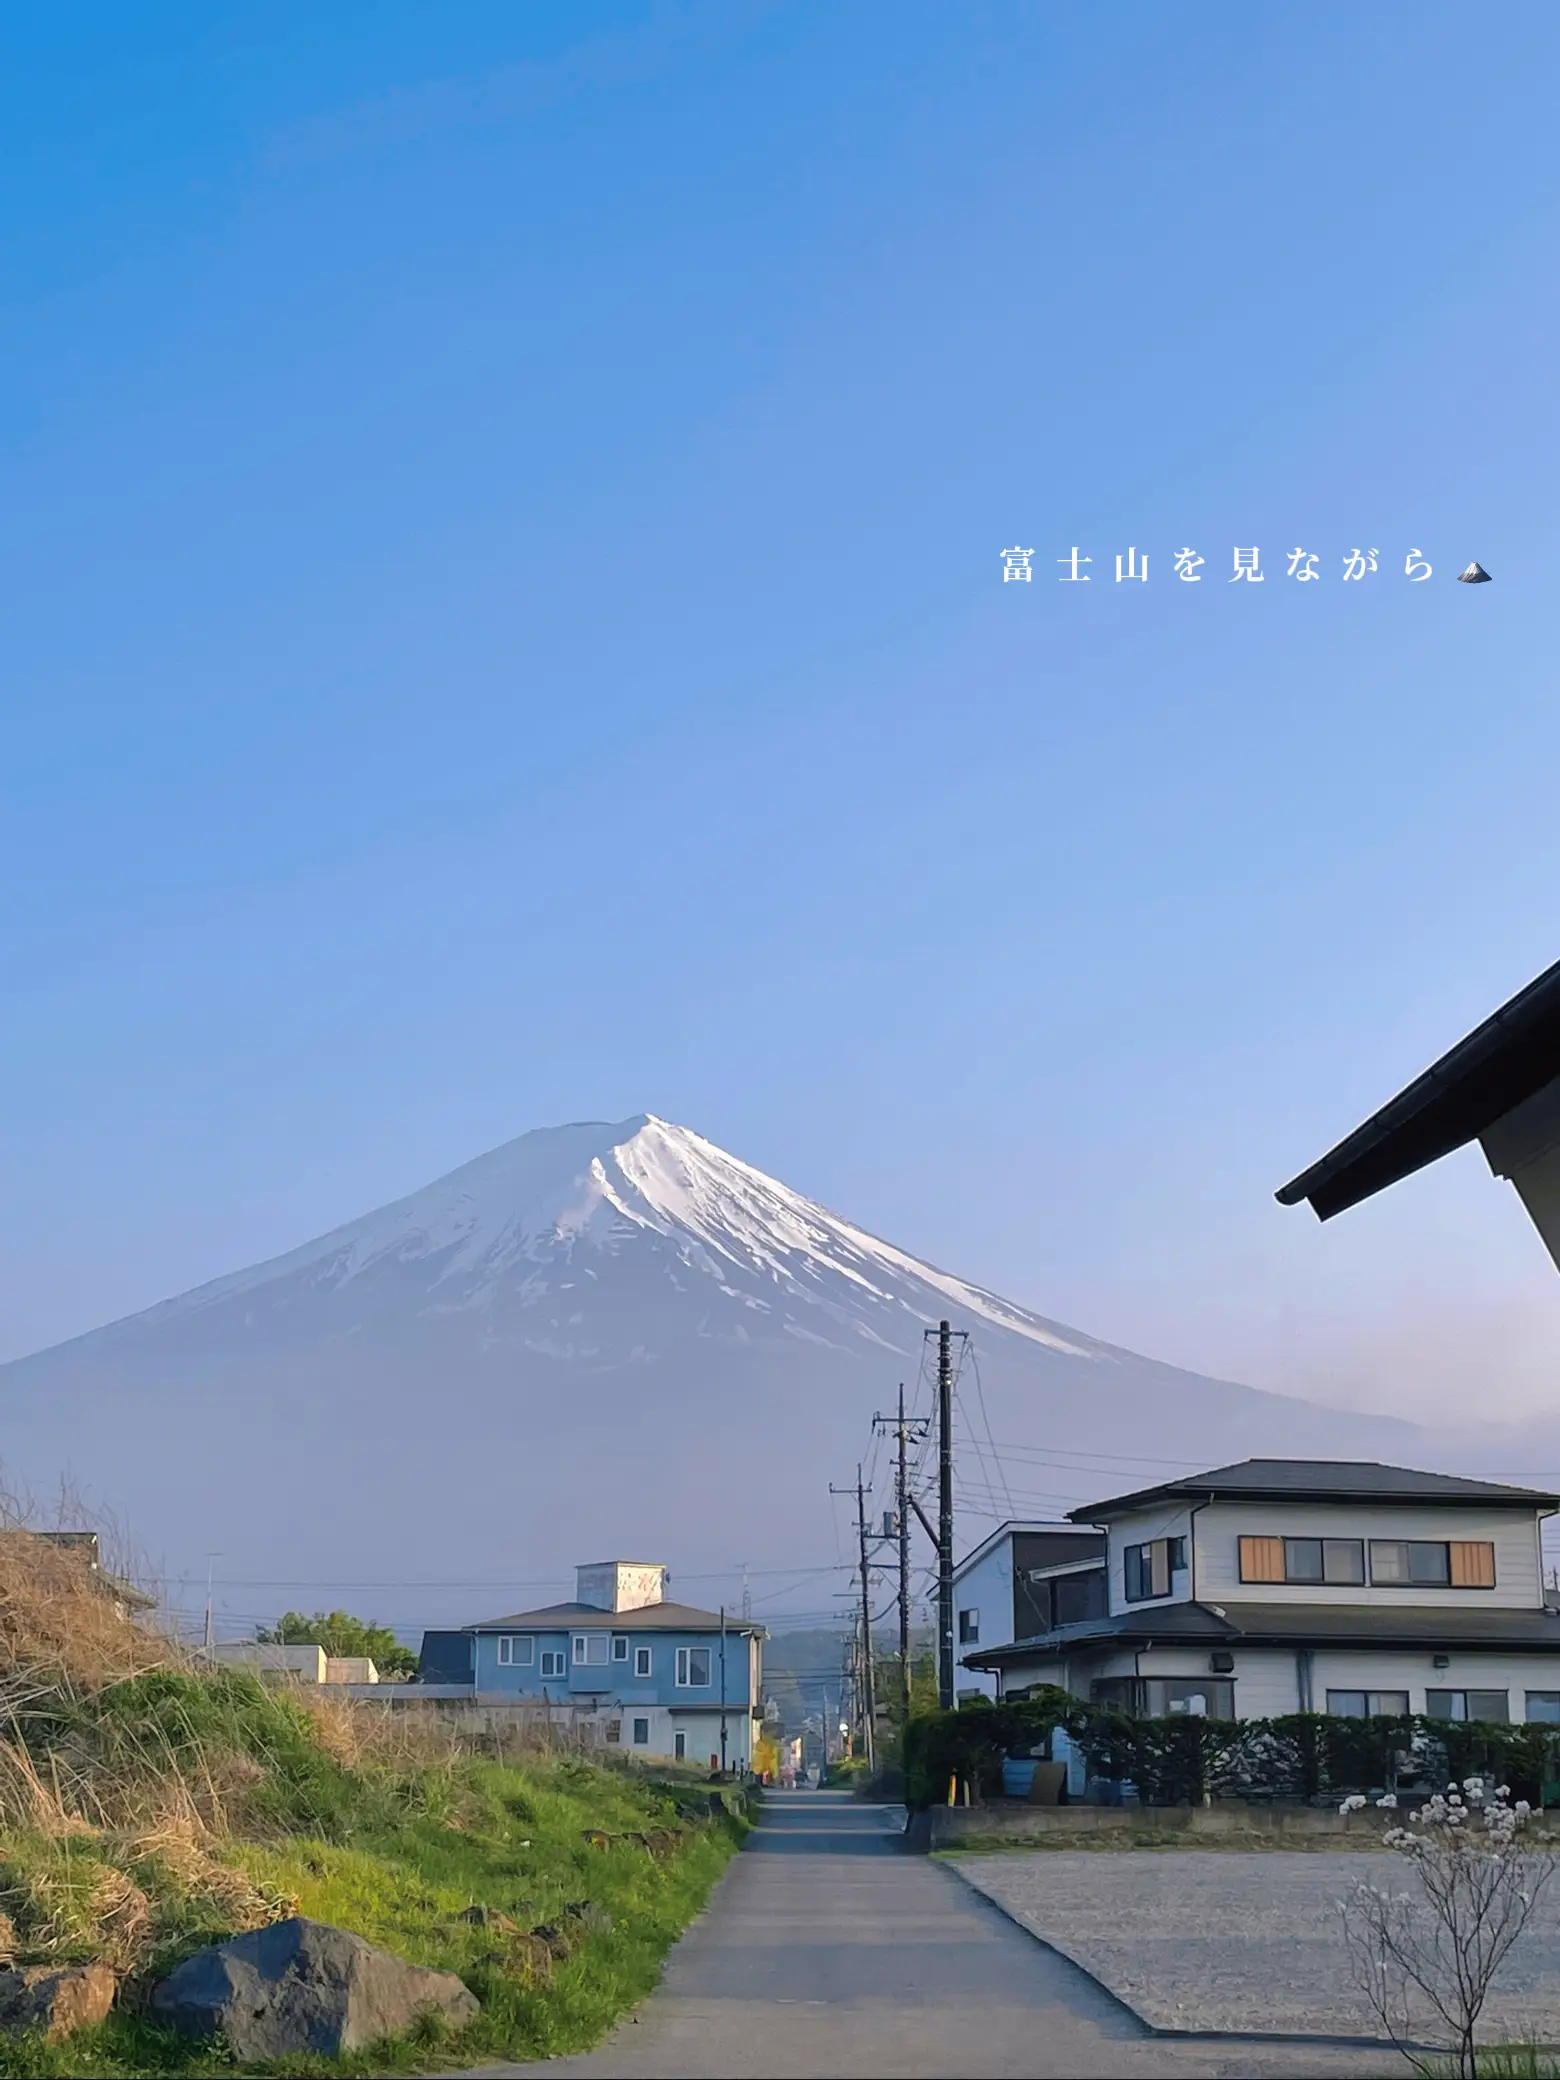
x,y
1500,1064
1297,1625
581,1617
1320,1480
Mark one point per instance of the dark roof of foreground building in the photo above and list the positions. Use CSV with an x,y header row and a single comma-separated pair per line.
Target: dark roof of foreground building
x,y
1509,1058
650,1617
1292,1625
1317,1480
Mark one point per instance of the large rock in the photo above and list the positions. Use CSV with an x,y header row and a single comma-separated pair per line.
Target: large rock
x,y
55,1999
303,1986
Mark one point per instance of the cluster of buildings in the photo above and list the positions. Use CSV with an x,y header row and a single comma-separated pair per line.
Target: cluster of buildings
x,y
1249,1591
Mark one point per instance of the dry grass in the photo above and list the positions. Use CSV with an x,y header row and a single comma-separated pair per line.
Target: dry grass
x,y
59,1620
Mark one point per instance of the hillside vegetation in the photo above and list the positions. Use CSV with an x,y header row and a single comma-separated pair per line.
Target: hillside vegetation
x,y
149,1806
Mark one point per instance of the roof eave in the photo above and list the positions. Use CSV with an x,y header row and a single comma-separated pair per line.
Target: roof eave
x,y
1498,1066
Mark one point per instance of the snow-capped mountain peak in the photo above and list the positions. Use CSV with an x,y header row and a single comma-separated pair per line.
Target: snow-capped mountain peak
x,y
504,1234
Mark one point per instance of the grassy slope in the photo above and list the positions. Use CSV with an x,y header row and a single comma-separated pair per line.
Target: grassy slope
x,y
390,1847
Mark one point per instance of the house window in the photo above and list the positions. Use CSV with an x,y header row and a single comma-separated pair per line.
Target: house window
x,y
1467,1704
1336,1560
1367,1704
1320,1560
619,1647
641,1733
1148,1568
641,1661
554,1662
1458,1563
1200,1697
680,1747
614,1731
969,1628
1543,1707
590,1649
1163,1697
693,1668
515,1651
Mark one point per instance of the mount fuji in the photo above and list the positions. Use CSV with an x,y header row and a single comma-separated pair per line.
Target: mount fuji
x,y
596,1340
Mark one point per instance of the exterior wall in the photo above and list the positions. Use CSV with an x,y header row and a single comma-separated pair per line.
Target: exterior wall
x,y
1538,1186
1525,1146
490,1676
700,1732
350,1668
1340,1669
587,1682
991,1586
1267,1679
1220,1526
619,1585
1172,1520
303,1664
988,1588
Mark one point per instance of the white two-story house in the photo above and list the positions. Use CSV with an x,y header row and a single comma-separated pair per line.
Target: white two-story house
x,y
1304,1585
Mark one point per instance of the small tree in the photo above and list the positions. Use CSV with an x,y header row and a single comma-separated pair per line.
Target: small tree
x,y
1429,1957
339,1633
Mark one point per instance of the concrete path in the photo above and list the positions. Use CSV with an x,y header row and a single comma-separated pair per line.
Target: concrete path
x,y
827,1951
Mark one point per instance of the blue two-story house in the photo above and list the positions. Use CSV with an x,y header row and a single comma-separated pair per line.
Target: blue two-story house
x,y
658,1679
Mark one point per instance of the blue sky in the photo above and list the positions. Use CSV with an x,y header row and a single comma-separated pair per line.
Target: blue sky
x,y
502,623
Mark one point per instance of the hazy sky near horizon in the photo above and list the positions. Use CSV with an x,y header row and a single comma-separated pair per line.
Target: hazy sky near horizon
x,y
503,623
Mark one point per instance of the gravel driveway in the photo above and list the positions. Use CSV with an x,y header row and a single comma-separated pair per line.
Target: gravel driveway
x,y
1236,1941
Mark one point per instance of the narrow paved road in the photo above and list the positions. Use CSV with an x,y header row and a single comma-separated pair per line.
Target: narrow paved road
x,y
827,1950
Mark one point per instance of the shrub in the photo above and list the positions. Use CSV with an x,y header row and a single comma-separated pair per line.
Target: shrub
x,y
1426,1959
1184,1759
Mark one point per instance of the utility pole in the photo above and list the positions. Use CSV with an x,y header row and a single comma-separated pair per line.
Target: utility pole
x,y
723,1690
864,1692
945,1516
211,1561
902,1427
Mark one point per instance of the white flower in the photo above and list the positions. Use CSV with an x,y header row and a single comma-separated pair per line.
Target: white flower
x,y
1387,1800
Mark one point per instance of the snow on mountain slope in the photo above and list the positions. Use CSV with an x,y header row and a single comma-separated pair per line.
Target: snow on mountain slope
x,y
509,1224
596,1339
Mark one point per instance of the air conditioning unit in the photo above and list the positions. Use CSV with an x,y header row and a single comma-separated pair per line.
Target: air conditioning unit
x,y
1221,1662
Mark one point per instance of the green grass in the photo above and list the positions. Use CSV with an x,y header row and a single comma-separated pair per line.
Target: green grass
x,y
397,1859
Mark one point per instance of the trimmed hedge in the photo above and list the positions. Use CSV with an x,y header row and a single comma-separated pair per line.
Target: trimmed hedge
x,y
1182,1760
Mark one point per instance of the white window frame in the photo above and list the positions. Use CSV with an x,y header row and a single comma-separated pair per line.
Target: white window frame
x,y
643,1662
583,1656
507,1656
684,1670
560,1663
620,1646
